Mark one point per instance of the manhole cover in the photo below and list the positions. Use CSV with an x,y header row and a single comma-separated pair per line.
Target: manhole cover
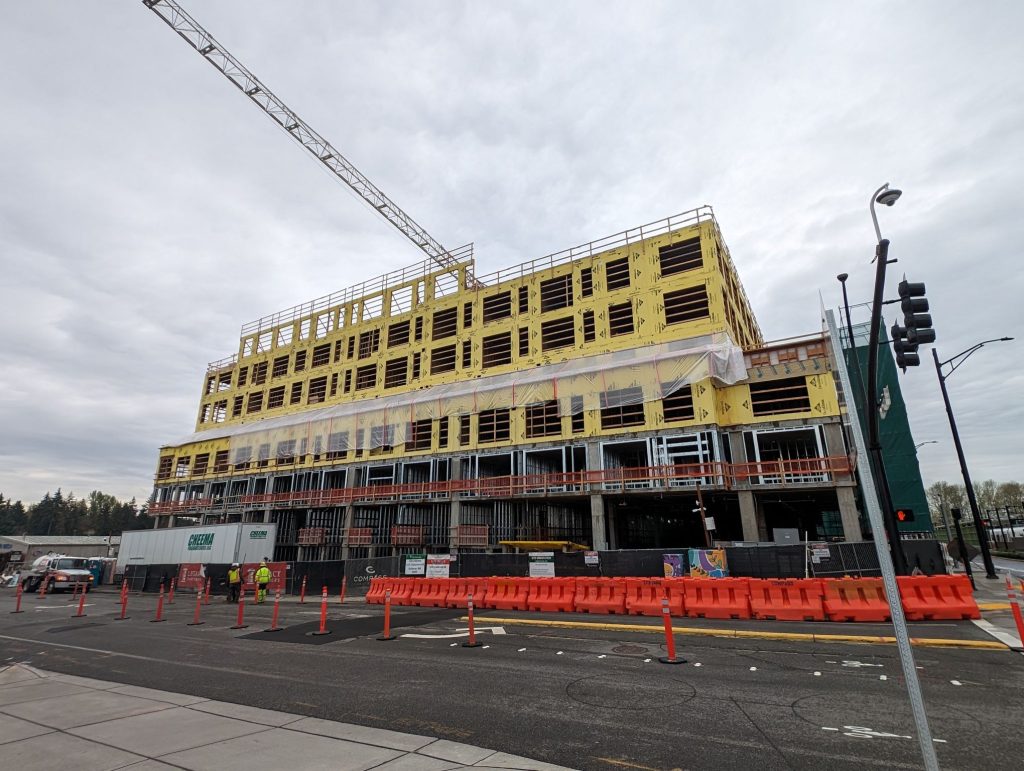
x,y
629,649
645,692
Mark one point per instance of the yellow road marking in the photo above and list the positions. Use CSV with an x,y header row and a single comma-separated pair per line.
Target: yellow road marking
x,y
744,633
626,764
993,606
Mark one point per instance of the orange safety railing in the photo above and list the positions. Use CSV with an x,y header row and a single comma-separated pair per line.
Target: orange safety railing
x,y
406,535
711,475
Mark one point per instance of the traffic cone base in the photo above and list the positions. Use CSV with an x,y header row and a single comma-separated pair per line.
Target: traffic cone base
x,y
667,660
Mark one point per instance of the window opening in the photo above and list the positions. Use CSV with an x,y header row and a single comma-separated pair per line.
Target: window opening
x,y
686,304
556,293
617,274
558,333
497,350
497,306
680,257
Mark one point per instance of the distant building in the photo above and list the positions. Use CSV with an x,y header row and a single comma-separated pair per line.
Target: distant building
x,y
600,395
24,549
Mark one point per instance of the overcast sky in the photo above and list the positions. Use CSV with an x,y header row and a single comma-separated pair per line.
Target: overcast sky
x,y
147,209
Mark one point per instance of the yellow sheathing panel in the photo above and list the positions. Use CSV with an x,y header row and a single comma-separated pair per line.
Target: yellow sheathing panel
x,y
333,327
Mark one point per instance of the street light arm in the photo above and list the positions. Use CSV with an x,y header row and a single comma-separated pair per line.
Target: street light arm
x,y
964,355
874,217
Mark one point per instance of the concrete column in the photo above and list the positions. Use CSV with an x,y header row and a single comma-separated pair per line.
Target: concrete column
x,y
737,449
603,527
748,516
597,522
454,505
835,444
849,514
349,517
613,537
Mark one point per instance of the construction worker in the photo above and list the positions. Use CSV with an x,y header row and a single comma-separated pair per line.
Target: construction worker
x,y
262,579
234,582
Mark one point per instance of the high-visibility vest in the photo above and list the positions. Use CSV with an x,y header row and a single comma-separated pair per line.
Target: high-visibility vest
x,y
233,576
263,575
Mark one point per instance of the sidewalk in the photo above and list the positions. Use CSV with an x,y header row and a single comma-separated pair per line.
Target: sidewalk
x,y
997,619
49,720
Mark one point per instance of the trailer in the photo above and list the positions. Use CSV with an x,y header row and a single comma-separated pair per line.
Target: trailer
x,y
210,544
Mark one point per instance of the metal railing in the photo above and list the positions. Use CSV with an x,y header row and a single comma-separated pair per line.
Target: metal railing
x,y
712,475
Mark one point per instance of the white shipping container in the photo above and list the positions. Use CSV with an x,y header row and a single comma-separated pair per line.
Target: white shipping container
x,y
212,544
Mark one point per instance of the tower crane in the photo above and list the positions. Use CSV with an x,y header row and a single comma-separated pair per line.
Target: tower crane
x,y
238,74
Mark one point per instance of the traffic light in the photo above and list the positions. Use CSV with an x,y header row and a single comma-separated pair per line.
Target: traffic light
x,y
906,354
916,318
916,329
905,515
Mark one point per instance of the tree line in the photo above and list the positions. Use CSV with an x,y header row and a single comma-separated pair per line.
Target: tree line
x,y
991,496
60,514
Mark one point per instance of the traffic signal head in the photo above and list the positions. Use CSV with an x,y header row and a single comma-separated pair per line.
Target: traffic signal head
x,y
905,515
917,323
905,351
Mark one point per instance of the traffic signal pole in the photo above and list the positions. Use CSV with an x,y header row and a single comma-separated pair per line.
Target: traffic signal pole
x,y
899,561
986,554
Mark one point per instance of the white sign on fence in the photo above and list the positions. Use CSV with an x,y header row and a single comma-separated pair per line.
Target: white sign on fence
x,y
438,566
542,564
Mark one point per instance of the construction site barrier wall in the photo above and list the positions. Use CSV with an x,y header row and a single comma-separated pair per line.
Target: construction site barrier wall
x,y
787,599
925,598
855,599
768,561
937,598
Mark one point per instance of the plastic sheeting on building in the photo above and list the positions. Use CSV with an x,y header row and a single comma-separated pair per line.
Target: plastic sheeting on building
x,y
614,379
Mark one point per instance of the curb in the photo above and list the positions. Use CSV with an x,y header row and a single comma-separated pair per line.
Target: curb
x,y
924,642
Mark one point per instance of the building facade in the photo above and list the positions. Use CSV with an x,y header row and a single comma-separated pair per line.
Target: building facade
x,y
605,395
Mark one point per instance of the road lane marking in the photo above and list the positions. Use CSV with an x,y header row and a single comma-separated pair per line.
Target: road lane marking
x,y
748,634
458,633
1010,640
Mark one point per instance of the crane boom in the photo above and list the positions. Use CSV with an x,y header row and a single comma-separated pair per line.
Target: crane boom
x,y
202,41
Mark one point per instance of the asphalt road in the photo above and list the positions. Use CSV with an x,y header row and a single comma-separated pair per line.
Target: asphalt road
x,y
581,698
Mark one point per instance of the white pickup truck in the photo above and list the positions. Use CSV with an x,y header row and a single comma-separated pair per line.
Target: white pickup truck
x,y
59,572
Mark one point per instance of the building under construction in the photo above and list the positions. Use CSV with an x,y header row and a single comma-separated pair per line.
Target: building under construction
x,y
607,395
618,394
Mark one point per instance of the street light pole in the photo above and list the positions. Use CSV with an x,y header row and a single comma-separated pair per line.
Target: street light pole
x,y
986,554
888,197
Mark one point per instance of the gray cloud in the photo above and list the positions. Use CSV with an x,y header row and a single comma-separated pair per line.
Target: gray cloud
x,y
147,211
